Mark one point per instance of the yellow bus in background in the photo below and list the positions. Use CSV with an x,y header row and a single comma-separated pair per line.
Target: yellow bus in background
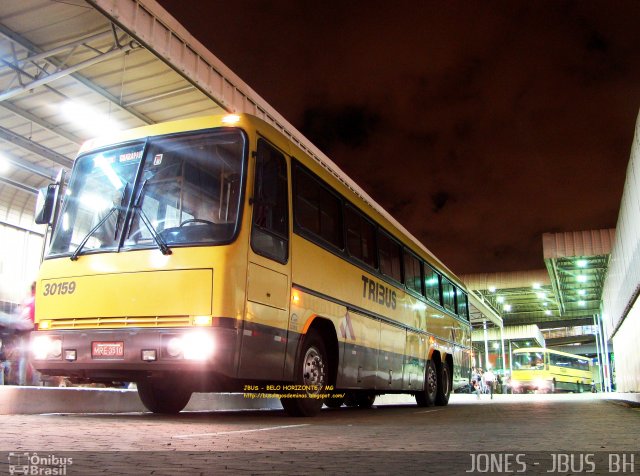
x,y
547,370
214,255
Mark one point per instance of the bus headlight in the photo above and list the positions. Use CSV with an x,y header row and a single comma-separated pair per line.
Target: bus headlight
x,y
46,347
174,346
196,345
540,384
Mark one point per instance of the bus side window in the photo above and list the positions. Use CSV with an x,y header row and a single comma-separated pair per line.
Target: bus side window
x,y
270,230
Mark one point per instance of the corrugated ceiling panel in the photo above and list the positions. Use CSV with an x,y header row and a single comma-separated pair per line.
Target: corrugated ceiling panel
x,y
516,279
577,243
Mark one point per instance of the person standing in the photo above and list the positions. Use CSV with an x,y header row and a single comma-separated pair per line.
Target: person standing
x,y
27,313
490,380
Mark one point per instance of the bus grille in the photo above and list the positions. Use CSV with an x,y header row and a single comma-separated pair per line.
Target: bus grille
x,y
119,322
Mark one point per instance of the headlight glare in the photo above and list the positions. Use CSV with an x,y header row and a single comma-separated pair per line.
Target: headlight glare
x,y
46,347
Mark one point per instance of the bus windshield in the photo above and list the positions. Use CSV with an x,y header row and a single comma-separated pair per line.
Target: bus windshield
x,y
178,190
528,361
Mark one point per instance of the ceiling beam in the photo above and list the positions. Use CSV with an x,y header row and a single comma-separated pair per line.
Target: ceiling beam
x,y
18,185
34,147
20,40
28,166
18,111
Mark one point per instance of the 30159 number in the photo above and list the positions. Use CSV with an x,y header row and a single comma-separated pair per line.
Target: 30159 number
x,y
65,287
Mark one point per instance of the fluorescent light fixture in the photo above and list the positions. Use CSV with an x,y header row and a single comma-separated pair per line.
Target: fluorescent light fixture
x,y
507,308
582,292
582,278
582,303
582,263
492,289
547,312
88,118
536,285
500,299
4,165
541,295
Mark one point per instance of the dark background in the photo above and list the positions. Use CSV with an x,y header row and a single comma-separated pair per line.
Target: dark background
x,y
478,125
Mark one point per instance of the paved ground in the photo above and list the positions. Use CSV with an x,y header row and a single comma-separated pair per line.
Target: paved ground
x,y
527,434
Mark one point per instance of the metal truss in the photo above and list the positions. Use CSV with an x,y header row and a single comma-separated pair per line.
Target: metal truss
x,y
24,69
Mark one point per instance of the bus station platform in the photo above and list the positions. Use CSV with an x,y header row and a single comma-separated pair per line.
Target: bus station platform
x,y
38,400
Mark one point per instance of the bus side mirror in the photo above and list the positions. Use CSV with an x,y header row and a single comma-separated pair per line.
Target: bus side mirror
x,y
45,204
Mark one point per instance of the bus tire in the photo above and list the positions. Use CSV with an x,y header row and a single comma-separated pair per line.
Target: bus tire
x,y
163,397
427,397
444,386
312,370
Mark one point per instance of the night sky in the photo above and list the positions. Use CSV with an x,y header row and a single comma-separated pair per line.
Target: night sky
x,y
478,125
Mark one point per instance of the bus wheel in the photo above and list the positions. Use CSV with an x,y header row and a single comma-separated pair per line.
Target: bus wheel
x,y
444,386
312,374
427,397
163,397
333,401
365,399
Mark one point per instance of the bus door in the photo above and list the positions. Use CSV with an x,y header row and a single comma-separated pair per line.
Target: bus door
x,y
264,336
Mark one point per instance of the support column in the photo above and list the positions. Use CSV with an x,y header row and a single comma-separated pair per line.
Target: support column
x,y
486,345
599,352
504,361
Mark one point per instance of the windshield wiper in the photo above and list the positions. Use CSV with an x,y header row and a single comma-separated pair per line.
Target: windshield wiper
x,y
164,248
115,208
137,208
75,254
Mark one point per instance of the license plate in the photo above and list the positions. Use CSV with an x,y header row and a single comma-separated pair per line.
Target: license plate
x,y
107,350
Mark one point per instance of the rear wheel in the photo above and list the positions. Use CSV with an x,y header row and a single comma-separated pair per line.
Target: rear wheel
x,y
427,397
163,397
444,386
312,372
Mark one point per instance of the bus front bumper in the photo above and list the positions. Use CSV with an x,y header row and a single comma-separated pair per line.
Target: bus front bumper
x,y
130,354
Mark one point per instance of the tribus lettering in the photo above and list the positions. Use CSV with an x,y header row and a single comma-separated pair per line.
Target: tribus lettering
x,y
378,293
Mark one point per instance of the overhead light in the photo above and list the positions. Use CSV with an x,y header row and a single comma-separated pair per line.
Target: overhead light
x,y
541,295
507,308
582,292
500,299
88,118
582,278
547,312
492,289
582,303
536,286
582,263
4,164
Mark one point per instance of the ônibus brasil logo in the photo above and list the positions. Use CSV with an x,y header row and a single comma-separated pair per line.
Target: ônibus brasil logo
x,y
38,464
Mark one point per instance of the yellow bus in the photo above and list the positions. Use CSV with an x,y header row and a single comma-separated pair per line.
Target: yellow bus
x,y
547,370
214,255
